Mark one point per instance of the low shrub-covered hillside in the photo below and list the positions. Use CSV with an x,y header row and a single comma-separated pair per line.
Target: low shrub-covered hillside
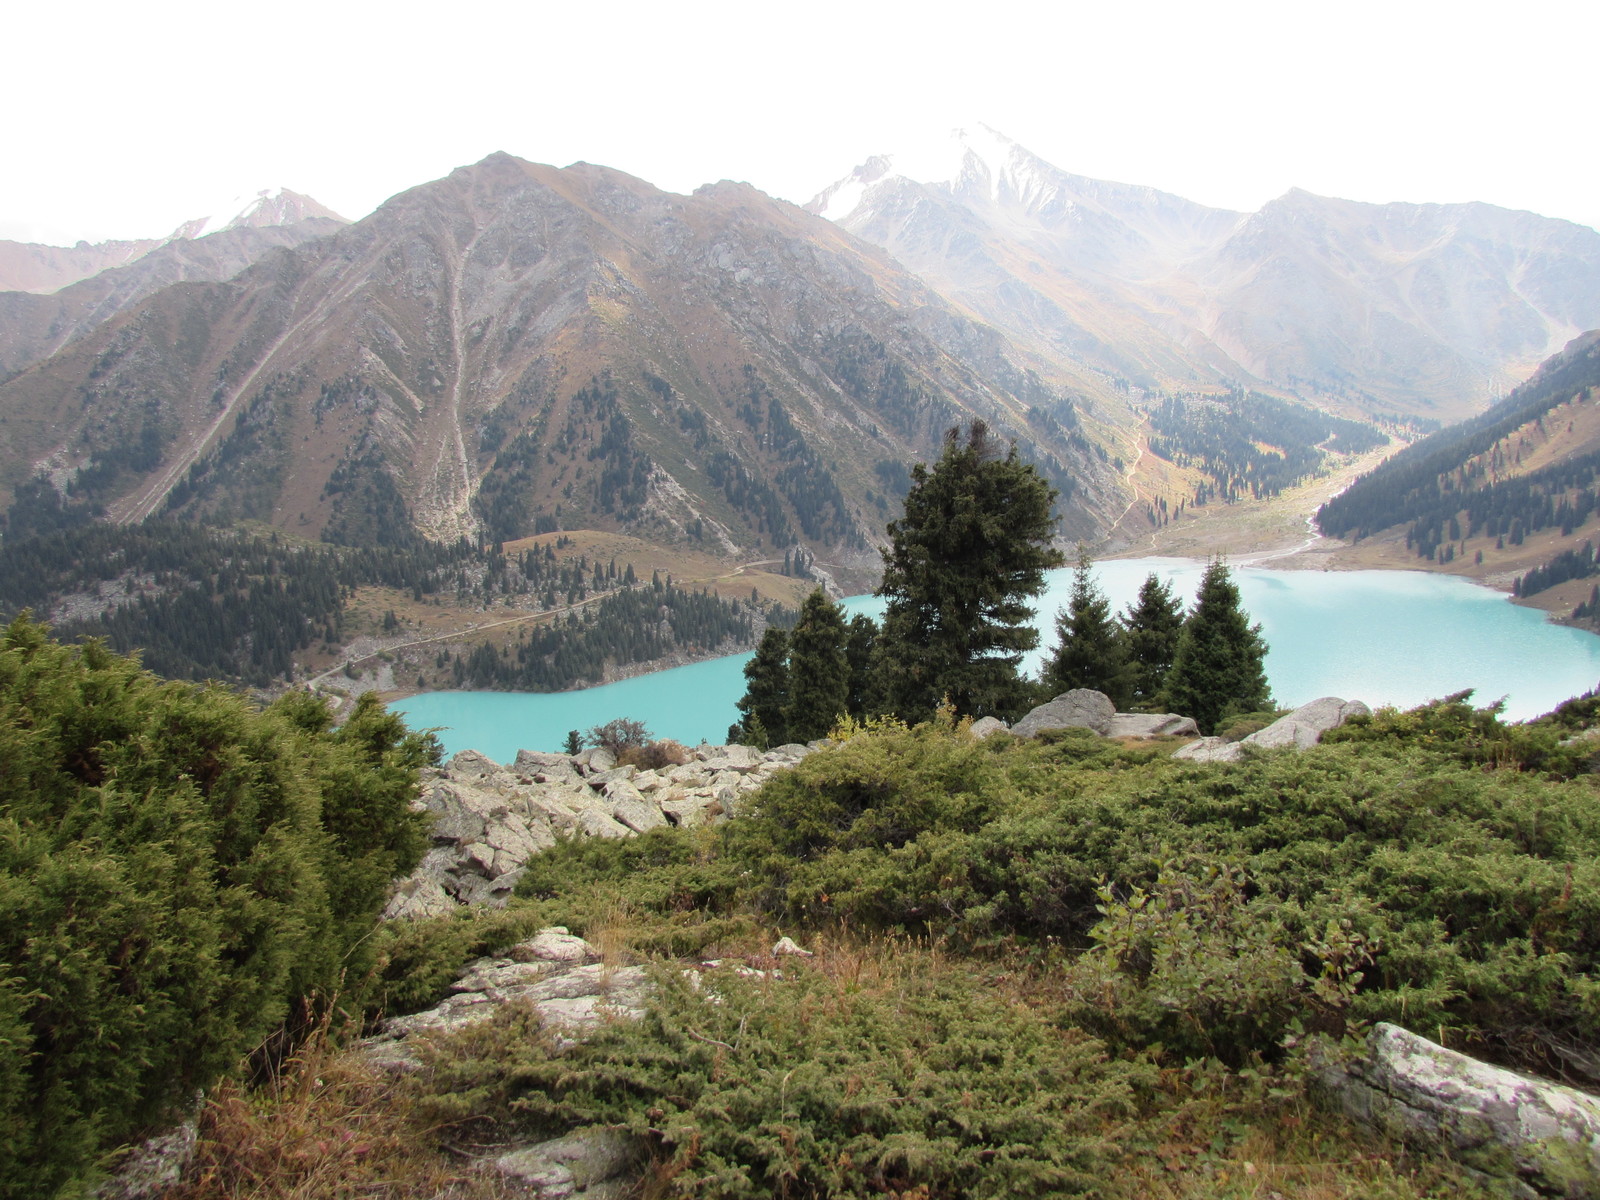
x,y
182,877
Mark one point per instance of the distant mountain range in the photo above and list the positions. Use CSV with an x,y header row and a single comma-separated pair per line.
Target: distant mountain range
x,y
30,267
516,348
1423,309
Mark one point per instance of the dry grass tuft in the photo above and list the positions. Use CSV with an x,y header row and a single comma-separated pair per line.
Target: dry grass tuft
x,y
327,1125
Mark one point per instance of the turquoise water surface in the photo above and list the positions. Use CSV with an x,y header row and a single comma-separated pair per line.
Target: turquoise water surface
x,y
1385,637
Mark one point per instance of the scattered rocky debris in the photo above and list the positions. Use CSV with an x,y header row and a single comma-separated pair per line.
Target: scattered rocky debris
x,y
1536,1138
490,819
562,976
1299,729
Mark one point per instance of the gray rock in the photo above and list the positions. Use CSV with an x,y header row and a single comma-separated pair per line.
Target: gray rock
x,y
418,897
531,762
1538,1138
1149,725
601,778
596,760
597,823
584,1162
987,727
145,1171
1210,749
469,764
556,945
791,751
686,811
1080,708
637,813
1306,724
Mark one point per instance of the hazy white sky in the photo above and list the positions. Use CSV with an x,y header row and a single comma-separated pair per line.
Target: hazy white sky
x,y
123,119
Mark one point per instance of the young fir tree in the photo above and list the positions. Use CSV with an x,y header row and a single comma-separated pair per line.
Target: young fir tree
x,y
865,692
1150,635
819,671
1091,652
1218,668
961,566
766,694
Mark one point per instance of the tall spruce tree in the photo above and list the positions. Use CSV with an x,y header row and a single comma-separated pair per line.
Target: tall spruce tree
x,y
819,670
1219,667
865,692
766,696
1150,635
961,566
1090,652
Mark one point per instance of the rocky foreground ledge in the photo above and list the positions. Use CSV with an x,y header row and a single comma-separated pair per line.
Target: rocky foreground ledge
x,y
490,819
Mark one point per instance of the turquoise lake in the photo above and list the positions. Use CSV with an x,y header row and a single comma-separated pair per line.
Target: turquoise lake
x,y
1385,637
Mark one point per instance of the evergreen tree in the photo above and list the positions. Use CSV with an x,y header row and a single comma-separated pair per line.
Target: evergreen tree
x,y
1091,653
766,697
819,671
970,551
1218,669
864,690
1150,633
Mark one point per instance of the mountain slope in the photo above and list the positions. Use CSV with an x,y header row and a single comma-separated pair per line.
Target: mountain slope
x,y
1430,309
518,348
34,326
1496,495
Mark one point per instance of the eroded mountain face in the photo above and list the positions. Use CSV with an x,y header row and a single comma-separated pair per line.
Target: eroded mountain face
x,y
1412,308
518,348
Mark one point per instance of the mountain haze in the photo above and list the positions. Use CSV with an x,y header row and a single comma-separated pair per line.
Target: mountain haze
x,y
1411,308
517,348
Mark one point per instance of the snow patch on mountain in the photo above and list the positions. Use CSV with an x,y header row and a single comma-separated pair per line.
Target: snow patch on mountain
x,y
253,210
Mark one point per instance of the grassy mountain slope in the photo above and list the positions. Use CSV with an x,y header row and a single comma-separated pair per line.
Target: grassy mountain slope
x,y
1495,496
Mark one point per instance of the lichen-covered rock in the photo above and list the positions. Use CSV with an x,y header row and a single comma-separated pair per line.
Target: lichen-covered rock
x,y
987,727
1210,749
1306,724
591,1163
1532,1137
1081,708
1150,725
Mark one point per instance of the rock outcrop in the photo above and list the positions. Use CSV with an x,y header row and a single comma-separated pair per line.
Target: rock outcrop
x,y
490,819
1301,728
1535,1138
1084,708
1081,708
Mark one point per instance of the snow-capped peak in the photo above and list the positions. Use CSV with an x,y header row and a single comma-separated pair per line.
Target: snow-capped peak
x,y
974,160
265,206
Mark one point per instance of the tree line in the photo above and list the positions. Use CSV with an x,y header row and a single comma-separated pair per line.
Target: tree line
x,y
963,561
1456,472
1250,445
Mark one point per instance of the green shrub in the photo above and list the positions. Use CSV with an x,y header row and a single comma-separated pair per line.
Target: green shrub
x,y
841,1079
177,873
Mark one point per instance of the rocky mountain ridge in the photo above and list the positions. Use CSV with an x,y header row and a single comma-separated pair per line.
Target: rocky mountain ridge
x,y
518,348
1424,309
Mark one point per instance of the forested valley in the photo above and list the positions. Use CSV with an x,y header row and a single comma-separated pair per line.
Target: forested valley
x,y
244,606
1251,446
1527,466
